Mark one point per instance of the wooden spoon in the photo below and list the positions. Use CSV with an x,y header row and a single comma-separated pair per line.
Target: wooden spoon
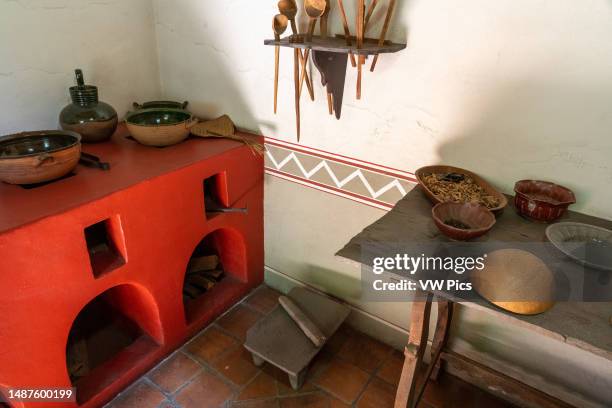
x,y
324,32
314,9
289,9
296,80
279,25
383,33
325,18
360,30
347,31
369,15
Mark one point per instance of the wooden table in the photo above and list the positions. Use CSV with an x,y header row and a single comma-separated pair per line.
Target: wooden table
x,y
583,325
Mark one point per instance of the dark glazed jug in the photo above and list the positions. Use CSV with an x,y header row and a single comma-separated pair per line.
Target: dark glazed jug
x,y
94,120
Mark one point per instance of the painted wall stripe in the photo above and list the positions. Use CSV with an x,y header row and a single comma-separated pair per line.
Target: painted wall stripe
x,y
320,170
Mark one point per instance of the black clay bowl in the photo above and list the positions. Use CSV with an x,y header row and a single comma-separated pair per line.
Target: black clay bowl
x,y
462,221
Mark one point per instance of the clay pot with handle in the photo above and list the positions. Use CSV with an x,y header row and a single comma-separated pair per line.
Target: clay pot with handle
x,y
37,157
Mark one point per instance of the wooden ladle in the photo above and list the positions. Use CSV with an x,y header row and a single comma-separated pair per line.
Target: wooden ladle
x,y
289,9
383,33
314,9
279,25
347,32
324,32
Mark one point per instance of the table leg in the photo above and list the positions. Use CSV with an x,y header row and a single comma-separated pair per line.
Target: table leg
x,y
413,352
445,317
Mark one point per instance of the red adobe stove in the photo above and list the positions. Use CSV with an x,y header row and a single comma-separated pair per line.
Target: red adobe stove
x,y
92,266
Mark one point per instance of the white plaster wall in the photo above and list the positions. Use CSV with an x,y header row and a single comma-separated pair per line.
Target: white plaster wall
x,y
43,41
511,89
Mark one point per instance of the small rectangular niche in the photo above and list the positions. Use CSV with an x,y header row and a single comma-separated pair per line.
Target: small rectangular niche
x,y
105,245
215,194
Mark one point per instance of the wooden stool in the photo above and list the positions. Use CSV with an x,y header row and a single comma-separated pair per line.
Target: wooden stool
x,y
278,340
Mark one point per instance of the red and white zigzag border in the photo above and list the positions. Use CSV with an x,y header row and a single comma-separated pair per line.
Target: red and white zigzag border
x,y
305,177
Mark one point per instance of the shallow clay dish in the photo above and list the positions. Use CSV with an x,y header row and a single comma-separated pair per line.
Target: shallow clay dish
x,y
36,157
424,171
462,221
160,126
542,201
586,244
515,280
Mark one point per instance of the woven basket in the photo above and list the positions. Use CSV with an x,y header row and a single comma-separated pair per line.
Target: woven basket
x,y
223,127
220,127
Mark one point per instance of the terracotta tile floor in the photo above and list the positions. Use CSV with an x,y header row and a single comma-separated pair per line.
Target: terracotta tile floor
x,y
353,370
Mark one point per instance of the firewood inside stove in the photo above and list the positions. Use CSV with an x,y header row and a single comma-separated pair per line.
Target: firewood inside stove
x,y
203,272
203,263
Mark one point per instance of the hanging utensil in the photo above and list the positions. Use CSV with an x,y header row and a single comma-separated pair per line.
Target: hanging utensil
x,y
279,25
369,15
383,33
289,9
324,19
296,80
324,32
347,31
314,10
360,58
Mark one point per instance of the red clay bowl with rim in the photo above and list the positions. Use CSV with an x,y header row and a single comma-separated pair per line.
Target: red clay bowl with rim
x,y
542,201
462,221
37,157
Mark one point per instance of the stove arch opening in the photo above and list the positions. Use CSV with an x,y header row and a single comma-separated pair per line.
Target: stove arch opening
x,y
111,334
217,266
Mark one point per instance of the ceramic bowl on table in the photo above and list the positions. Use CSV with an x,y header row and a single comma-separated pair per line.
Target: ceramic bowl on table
x,y
160,126
453,184
37,157
586,244
542,201
462,221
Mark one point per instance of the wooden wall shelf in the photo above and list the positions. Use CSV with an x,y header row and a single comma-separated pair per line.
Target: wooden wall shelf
x,y
338,45
330,57
329,53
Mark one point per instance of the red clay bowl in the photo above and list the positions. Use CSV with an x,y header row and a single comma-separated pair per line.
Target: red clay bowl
x,y
542,201
462,221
